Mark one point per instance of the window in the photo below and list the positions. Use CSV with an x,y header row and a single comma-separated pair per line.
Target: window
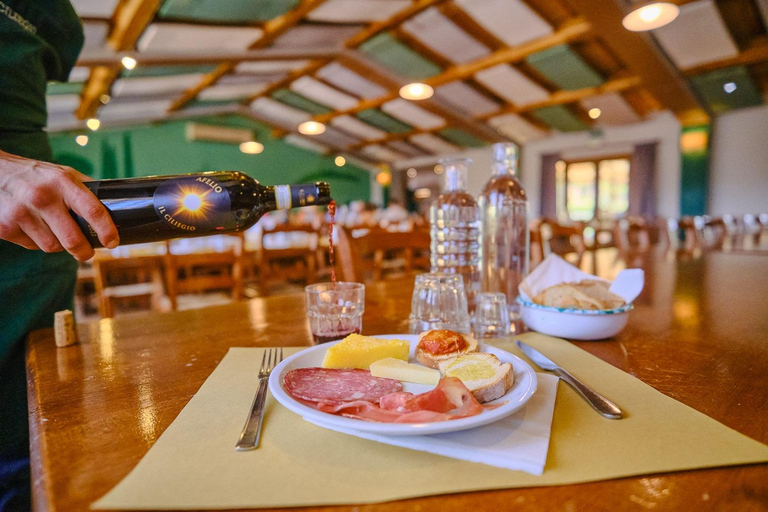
x,y
594,189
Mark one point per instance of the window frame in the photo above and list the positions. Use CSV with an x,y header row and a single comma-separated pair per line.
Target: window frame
x,y
596,162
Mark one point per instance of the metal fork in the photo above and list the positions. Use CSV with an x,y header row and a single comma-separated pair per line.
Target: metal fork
x,y
249,437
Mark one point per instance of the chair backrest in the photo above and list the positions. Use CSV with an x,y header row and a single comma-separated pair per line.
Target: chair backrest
x,y
562,240
284,236
367,254
632,234
122,278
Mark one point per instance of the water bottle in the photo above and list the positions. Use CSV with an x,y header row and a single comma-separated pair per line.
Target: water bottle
x,y
454,229
505,240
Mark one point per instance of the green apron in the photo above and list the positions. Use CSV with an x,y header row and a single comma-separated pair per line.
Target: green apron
x,y
39,41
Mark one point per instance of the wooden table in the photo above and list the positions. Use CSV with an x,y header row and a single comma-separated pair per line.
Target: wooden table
x,y
698,334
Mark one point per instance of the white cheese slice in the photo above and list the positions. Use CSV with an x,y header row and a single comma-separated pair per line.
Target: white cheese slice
x,y
398,369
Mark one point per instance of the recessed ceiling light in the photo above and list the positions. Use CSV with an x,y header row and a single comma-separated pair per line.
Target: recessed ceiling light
x,y
412,173
81,140
650,16
422,193
384,178
93,123
416,91
340,161
311,128
729,87
128,62
439,169
251,147
594,113
104,99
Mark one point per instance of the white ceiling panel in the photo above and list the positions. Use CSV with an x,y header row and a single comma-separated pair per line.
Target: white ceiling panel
x,y
437,32
336,138
79,74
324,94
59,103
279,113
94,8
358,128
509,20
270,67
316,36
510,84
613,109
465,98
181,37
305,143
95,34
433,143
379,152
357,11
155,85
763,6
231,91
697,36
407,112
117,110
516,128
403,147
348,80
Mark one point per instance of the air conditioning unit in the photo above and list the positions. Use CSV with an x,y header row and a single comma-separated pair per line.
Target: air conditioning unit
x,y
213,133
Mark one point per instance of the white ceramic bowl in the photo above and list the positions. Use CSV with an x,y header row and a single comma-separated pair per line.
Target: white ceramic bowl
x,y
574,324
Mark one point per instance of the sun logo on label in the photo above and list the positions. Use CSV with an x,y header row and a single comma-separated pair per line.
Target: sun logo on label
x,y
191,203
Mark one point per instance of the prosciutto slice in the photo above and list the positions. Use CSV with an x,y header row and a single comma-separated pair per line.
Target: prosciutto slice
x,y
450,400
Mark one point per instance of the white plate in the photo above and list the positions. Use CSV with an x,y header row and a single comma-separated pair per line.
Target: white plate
x,y
522,390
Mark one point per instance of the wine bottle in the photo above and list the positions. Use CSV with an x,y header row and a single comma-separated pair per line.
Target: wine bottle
x,y
163,207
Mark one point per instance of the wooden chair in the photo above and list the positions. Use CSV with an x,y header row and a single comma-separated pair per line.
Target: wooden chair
x,y
536,243
714,233
563,240
202,272
632,234
288,253
375,254
130,283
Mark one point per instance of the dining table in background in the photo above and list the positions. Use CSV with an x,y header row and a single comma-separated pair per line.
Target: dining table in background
x,y
697,334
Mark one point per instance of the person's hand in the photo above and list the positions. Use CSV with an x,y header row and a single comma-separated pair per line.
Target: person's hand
x,y
35,199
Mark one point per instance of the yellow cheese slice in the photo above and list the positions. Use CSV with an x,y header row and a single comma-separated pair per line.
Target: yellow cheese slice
x,y
358,351
398,369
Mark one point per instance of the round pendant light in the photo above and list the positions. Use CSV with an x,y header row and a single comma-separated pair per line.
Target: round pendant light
x,y
650,16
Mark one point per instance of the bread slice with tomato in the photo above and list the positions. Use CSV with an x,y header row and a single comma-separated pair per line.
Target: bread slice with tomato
x,y
441,344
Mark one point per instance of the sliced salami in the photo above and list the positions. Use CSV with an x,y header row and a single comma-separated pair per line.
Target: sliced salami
x,y
337,386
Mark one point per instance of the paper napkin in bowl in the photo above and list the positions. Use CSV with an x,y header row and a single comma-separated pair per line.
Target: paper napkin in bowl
x,y
519,442
555,270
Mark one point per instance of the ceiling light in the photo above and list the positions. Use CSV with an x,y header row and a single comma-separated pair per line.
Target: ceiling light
x,y
93,123
251,148
412,172
422,193
594,113
729,87
104,99
340,161
416,91
81,140
384,178
650,16
311,128
439,169
128,62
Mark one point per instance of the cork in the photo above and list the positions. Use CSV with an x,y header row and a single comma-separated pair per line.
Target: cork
x,y
64,328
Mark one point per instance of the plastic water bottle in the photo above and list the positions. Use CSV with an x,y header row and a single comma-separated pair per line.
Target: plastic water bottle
x,y
454,229
505,240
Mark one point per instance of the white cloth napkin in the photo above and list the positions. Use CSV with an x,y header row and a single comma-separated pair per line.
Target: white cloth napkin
x,y
519,441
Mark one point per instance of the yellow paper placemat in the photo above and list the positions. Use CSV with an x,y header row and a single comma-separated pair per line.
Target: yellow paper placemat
x,y
194,465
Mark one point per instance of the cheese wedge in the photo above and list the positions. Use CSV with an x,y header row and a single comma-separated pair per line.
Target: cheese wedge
x,y
358,351
398,369
483,374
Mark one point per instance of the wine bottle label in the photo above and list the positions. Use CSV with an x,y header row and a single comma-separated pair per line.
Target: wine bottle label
x,y
192,204
303,195
283,197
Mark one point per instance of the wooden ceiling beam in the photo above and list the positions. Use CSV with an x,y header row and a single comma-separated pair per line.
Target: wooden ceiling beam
x,y
641,57
571,31
381,26
128,23
272,30
756,53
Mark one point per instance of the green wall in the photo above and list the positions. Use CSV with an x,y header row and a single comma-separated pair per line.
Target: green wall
x,y
694,178
162,148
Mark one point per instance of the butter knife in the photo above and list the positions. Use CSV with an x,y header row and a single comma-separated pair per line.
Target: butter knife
x,y
601,404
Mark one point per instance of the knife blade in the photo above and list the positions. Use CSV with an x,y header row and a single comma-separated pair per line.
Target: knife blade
x,y
601,404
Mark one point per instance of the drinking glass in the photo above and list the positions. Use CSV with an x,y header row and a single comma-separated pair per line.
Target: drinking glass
x,y
335,311
491,318
439,302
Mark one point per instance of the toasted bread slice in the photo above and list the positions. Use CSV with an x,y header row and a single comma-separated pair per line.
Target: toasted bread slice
x,y
441,344
485,376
